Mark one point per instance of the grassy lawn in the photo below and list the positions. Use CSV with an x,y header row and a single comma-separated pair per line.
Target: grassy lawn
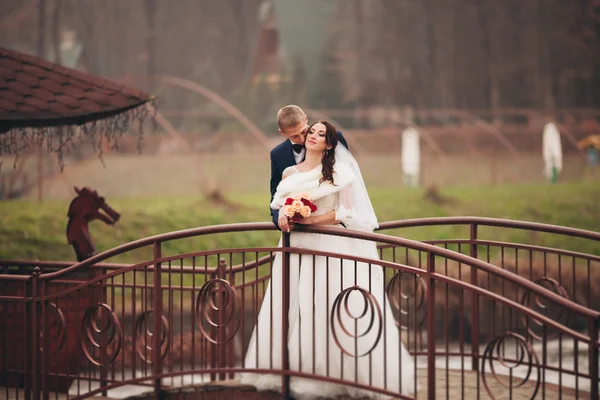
x,y
32,230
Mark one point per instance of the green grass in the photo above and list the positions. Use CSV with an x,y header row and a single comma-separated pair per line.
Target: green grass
x,y
32,230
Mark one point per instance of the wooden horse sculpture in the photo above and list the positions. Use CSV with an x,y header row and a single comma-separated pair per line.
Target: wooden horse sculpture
x,y
83,209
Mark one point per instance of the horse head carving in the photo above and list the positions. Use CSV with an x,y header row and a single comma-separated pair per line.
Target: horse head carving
x,y
84,208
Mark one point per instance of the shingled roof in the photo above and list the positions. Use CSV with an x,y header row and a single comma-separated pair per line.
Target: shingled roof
x,y
38,93
42,103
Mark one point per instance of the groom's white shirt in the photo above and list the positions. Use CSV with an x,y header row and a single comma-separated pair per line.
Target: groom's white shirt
x,y
298,157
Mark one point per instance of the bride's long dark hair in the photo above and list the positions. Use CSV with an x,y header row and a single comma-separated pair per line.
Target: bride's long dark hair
x,y
331,141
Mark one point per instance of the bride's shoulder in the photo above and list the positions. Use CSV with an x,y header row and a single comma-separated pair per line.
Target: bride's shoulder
x,y
289,171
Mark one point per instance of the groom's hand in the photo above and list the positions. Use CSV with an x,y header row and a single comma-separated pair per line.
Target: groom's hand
x,y
275,218
284,223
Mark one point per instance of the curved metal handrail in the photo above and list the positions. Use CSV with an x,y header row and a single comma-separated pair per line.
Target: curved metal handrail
x,y
160,238
458,257
375,237
151,240
395,266
433,274
494,222
59,265
149,264
406,223
511,245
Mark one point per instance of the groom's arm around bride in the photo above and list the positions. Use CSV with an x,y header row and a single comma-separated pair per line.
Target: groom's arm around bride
x,y
292,123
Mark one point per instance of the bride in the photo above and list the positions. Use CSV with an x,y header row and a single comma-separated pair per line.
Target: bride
x,y
340,322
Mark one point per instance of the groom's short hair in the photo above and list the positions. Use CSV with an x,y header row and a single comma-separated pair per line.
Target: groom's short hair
x,y
289,117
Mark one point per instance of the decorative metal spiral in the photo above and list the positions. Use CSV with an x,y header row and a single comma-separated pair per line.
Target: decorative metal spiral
x,y
218,313
58,322
371,311
144,337
100,326
419,292
524,356
534,302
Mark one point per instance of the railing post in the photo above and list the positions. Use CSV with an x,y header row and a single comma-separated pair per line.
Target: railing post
x,y
35,336
474,302
99,296
285,306
214,316
431,327
221,354
44,345
231,333
594,326
157,353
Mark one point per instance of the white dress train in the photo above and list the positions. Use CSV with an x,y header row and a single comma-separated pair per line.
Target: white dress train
x,y
312,345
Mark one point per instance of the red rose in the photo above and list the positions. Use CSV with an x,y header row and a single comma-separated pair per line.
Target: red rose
x,y
289,201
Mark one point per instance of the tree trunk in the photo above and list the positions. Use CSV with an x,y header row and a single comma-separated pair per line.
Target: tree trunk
x,y
41,50
491,78
547,100
150,8
56,32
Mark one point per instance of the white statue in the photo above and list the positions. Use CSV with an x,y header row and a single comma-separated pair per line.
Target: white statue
x,y
552,152
411,157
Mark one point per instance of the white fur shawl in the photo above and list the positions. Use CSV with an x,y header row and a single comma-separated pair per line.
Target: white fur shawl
x,y
308,182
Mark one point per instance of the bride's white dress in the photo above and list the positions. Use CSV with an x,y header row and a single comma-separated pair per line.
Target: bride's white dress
x,y
315,337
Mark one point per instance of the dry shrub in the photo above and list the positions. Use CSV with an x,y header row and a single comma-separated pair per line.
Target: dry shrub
x,y
433,195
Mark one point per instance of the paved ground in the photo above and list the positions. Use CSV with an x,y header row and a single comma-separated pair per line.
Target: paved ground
x,y
455,390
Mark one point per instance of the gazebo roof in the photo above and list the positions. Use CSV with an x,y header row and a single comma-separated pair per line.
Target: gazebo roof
x,y
38,93
43,102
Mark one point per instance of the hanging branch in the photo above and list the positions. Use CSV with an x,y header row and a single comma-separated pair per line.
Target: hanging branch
x,y
63,139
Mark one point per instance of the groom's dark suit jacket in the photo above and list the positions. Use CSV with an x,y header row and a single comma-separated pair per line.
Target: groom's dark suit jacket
x,y
282,157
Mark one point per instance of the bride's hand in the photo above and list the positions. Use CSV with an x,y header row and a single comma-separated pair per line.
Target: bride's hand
x,y
284,223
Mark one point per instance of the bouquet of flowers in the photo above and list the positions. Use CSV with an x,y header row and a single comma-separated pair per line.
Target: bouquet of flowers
x,y
298,207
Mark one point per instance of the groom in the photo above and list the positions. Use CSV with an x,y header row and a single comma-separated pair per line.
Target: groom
x,y
293,125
